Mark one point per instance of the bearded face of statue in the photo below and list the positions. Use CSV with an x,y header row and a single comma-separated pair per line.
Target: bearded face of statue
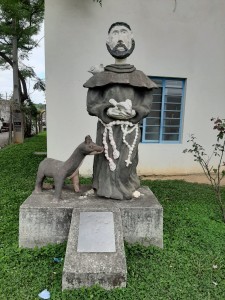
x,y
120,42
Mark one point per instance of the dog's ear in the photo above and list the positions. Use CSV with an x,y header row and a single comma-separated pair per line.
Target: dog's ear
x,y
88,139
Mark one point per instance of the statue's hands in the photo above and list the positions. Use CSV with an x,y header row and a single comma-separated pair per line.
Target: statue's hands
x,y
121,110
115,113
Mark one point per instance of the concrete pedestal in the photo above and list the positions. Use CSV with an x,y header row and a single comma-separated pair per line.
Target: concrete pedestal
x,y
95,229
43,221
95,251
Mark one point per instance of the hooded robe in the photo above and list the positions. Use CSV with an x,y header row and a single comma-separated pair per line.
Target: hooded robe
x,y
120,82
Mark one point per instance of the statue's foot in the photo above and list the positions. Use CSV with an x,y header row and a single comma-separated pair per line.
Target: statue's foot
x,y
90,192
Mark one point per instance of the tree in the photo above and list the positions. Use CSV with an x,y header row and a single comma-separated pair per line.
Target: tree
x,y
20,21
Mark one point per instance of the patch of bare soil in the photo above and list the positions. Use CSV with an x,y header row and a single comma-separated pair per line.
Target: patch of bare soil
x,y
197,178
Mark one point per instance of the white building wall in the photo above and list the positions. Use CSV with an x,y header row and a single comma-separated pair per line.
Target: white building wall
x,y
187,43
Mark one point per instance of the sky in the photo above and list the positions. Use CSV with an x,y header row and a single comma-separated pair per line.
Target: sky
x,y
37,61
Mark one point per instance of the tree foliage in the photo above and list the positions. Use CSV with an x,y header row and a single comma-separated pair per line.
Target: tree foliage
x,y
21,19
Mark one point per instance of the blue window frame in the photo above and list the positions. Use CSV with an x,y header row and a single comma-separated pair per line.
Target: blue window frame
x,y
164,123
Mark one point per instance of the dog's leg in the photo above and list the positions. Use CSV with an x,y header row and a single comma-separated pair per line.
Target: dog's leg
x,y
58,187
76,181
39,182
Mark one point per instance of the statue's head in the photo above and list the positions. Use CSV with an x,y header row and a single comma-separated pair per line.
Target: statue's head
x,y
120,42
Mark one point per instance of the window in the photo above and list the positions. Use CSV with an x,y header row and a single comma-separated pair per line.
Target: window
x,y
164,123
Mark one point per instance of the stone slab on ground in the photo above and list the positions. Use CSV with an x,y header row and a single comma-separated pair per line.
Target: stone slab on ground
x,y
86,268
43,221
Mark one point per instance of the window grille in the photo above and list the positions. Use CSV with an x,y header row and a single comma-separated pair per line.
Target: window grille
x,y
164,123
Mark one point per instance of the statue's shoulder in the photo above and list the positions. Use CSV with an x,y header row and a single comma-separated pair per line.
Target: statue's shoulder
x,y
138,78
97,80
120,74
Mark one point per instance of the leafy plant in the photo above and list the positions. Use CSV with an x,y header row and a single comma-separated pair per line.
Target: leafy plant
x,y
214,174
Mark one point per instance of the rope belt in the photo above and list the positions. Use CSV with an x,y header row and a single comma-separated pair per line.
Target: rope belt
x,y
126,130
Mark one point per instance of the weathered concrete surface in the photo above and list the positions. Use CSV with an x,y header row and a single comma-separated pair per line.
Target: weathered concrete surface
x,y
108,269
43,221
39,227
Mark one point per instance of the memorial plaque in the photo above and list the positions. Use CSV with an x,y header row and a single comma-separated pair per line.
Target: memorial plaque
x,y
96,232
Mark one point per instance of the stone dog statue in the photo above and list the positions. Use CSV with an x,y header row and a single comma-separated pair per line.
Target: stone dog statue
x,y
60,170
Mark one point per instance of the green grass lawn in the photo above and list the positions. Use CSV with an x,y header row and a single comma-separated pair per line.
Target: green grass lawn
x,y
191,265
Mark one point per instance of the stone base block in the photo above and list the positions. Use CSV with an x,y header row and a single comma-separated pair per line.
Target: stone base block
x,y
43,221
95,250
